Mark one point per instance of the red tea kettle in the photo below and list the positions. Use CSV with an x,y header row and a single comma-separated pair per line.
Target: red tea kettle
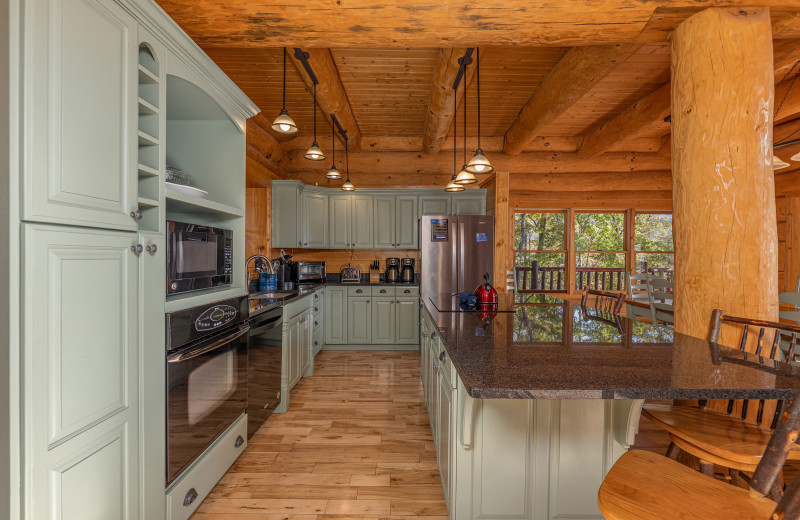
x,y
485,292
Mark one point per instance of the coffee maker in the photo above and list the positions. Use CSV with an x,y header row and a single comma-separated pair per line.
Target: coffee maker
x,y
392,274
407,270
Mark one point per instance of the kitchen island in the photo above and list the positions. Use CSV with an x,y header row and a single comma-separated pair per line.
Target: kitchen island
x,y
530,407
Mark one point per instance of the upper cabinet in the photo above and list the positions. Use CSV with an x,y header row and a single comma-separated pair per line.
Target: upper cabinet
x,y
82,76
315,219
435,204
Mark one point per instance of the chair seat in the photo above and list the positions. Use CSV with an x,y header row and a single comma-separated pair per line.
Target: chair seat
x,y
721,435
646,486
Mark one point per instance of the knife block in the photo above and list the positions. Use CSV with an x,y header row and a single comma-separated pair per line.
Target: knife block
x,y
374,276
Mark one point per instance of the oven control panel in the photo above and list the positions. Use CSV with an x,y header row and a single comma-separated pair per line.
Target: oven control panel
x,y
215,317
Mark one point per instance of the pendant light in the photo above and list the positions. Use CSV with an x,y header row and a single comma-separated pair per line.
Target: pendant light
x,y
479,163
778,164
284,124
452,186
314,153
333,173
347,186
465,176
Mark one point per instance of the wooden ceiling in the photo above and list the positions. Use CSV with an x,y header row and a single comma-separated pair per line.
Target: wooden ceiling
x,y
575,86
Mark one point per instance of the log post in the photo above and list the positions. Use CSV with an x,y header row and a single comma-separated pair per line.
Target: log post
x,y
723,188
503,228
792,260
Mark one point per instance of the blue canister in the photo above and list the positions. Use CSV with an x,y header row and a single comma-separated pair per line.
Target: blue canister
x,y
267,282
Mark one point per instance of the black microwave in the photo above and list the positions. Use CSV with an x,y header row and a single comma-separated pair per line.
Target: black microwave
x,y
198,257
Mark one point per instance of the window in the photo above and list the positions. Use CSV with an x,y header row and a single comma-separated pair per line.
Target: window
x,y
600,254
653,244
540,250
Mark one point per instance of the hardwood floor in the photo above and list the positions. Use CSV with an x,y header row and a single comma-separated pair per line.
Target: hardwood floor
x,y
356,444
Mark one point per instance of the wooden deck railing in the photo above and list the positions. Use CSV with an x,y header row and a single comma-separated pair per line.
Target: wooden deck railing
x,y
538,278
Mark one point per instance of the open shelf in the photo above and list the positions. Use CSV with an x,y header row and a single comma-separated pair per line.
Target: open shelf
x,y
177,302
147,108
145,76
146,170
178,202
144,202
146,139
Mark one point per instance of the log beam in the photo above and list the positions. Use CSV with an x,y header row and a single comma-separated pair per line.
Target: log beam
x,y
262,140
784,56
331,96
439,116
724,228
593,182
260,171
573,76
634,121
381,163
787,98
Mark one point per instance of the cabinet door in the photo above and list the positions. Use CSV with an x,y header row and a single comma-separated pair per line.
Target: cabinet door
x,y
81,382
335,315
406,222
315,220
384,237
285,216
407,321
445,405
306,345
383,320
434,205
359,319
294,351
339,221
361,222
469,204
82,115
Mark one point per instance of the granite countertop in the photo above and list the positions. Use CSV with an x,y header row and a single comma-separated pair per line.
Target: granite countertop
x,y
398,284
547,348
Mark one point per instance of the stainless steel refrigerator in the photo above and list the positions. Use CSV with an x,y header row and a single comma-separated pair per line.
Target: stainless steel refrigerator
x,y
456,251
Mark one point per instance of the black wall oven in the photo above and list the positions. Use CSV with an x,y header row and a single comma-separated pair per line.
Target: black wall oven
x,y
206,377
198,257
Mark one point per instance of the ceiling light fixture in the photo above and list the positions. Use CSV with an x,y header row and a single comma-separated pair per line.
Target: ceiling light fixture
x,y
347,186
333,173
479,163
314,153
452,186
465,176
284,124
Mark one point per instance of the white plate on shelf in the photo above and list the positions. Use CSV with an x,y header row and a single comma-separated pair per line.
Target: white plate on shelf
x,y
189,190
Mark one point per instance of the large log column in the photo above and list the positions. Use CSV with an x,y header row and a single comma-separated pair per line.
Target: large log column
x,y
723,188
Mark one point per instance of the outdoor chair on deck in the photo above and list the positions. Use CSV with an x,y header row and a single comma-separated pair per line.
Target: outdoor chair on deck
x,y
604,300
511,281
636,285
732,433
646,486
793,299
660,292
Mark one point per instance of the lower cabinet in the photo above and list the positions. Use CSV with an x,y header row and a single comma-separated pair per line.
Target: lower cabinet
x,y
371,315
383,320
300,331
359,320
335,310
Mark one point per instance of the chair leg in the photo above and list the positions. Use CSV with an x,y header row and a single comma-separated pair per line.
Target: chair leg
x,y
737,480
777,490
706,468
673,451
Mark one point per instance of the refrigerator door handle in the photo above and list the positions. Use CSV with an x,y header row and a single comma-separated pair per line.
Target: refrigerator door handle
x,y
461,252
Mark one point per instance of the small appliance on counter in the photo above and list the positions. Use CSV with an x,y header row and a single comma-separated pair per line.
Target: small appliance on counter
x,y
350,275
374,272
392,274
486,293
309,273
284,272
407,270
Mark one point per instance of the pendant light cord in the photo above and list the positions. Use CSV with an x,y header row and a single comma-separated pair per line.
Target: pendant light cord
x,y
478,79
347,160
333,146
465,121
315,112
455,132
284,78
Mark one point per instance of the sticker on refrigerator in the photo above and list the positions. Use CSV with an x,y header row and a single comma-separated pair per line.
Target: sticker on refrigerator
x,y
481,237
440,231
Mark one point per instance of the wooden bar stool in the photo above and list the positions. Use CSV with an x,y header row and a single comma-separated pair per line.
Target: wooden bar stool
x,y
646,486
731,433
604,300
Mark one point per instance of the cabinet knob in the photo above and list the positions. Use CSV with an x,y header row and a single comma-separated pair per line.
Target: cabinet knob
x,y
443,357
137,249
316,343
433,335
305,243
152,248
239,441
367,301
316,309
299,243
136,215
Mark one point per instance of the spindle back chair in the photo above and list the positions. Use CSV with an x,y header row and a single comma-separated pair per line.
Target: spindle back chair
x,y
604,300
660,292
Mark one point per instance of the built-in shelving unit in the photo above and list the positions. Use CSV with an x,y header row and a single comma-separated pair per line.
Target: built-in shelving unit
x,y
178,202
148,137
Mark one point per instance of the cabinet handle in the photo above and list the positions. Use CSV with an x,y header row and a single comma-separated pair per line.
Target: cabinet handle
x,y
433,335
359,291
316,309
151,249
137,249
299,243
407,291
190,497
239,441
443,357
316,323
136,215
305,243
383,291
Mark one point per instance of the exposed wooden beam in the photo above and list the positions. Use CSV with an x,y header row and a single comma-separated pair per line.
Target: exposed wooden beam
x,y
260,170
785,54
788,26
573,76
263,141
406,163
576,182
331,96
786,131
594,199
787,98
634,121
439,117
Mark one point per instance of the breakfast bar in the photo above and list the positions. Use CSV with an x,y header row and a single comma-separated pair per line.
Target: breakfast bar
x,y
533,403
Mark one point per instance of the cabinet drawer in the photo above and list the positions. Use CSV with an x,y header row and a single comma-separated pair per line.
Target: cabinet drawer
x,y
407,291
359,290
383,290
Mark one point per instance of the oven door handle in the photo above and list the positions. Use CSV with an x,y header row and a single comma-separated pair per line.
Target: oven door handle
x,y
197,351
268,325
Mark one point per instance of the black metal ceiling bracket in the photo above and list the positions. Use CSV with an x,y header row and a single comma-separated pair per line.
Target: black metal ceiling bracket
x,y
303,57
342,131
464,61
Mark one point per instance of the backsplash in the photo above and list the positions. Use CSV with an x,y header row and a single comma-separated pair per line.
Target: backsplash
x,y
361,258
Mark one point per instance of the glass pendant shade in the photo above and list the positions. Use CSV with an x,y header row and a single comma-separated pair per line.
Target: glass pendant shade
x,y
479,163
314,153
778,164
465,177
284,124
333,173
795,157
348,186
452,186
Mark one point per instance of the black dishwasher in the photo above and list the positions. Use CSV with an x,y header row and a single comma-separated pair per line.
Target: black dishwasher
x,y
264,367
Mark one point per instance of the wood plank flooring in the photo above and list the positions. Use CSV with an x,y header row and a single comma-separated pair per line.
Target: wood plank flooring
x,y
356,444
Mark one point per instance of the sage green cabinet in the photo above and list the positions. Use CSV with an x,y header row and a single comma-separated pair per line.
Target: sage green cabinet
x,y
383,320
384,237
407,312
350,221
335,315
293,361
339,221
81,382
306,342
466,203
396,223
81,69
434,205
361,223
315,219
286,215
359,320
444,435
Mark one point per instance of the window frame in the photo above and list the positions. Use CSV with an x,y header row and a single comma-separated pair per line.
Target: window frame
x,y
626,243
636,212
514,251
